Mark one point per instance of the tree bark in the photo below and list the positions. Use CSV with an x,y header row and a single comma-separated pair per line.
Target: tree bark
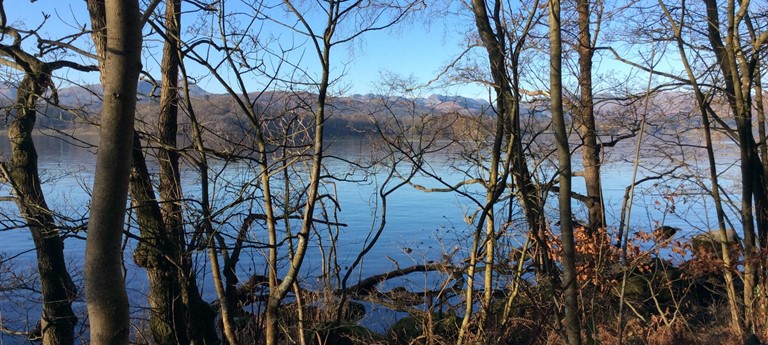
x,y
761,137
763,234
508,158
585,123
572,325
159,255
162,248
733,307
58,320
278,291
738,94
106,297
494,43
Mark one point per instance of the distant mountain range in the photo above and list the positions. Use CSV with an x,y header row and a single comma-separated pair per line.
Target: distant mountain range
x,y
89,97
348,115
438,104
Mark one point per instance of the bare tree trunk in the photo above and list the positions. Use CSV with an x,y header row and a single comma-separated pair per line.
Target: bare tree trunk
x,y
762,235
162,249
170,186
761,138
571,294
733,307
201,317
507,157
178,311
170,181
200,312
154,253
585,123
701,101
750,167
107,301
278,291
759,165
58,321
494,44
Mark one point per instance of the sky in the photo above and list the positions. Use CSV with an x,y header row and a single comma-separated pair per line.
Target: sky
x,y
412,49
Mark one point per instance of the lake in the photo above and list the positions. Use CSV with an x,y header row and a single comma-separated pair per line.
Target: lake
x,y
420,226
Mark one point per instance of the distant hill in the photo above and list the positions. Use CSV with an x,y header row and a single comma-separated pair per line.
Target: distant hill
x,y
347,114
90,95
431,104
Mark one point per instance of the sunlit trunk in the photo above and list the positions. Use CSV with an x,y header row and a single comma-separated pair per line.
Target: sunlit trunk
x,y
106,297
585,123
570,295
737,82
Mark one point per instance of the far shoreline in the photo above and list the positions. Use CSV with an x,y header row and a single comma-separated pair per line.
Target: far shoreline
x,y
84,131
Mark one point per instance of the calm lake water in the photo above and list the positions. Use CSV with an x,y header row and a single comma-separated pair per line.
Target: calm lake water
x,y
420,226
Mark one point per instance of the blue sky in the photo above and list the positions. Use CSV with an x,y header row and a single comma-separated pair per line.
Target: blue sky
x,y
411,49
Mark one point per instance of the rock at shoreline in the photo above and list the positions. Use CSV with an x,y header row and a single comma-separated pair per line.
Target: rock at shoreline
x,y
709,243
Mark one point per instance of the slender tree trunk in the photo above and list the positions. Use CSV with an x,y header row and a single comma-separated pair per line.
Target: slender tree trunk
x,y
58,321
513,162
162,249
298,296
227,314
201,317
762,235
170,185
200,312
759,166
585,123
278,291
733,307
738,74
584,120
530,201
572,325
274,298
170,191
107,301
154,253
761,138
226,310
494,44
490,239
170,180
750,167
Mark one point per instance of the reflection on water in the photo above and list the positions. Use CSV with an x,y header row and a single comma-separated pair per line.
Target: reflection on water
x,y
415,218
420,226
